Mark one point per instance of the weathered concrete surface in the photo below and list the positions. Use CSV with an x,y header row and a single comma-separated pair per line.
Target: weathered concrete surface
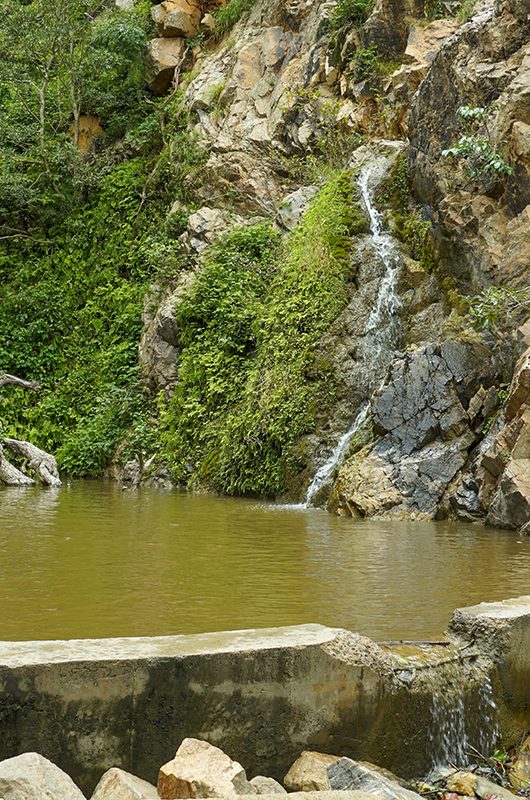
x,y
502,631
261,696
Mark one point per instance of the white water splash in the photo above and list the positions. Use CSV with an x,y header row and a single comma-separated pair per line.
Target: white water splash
x,y
456,732
383,322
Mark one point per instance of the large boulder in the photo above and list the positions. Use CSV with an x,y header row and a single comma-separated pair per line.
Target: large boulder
x,y
431,410
116,784
309,772
163,57
177,18
201,770
30,776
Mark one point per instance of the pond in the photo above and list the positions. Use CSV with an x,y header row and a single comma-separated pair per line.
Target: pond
x,y
93,560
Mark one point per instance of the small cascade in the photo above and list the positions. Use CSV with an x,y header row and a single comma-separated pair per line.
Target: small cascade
x,y
462,723
383,325
325,473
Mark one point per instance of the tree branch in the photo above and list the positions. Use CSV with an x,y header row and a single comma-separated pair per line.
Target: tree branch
x,y
6,379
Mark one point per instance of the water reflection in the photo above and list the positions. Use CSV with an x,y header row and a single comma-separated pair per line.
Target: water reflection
x,y
93,560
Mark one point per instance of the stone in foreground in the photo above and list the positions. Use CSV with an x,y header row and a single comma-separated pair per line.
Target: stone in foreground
x,y
520,771
201,770
263,785
309,772
349,774
30,776
116,784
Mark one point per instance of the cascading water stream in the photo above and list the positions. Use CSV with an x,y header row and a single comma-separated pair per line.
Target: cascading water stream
x,y
459,729
383,323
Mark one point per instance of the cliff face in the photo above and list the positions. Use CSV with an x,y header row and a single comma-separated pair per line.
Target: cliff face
x,y
438,412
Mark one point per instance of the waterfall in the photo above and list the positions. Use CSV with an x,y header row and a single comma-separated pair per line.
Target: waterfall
x,y
459,728
382,326
325,472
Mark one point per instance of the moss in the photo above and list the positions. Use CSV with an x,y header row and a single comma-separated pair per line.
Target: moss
x,y
251,382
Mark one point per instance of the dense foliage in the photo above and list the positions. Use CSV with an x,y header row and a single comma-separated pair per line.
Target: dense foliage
x,y
82,233
250,382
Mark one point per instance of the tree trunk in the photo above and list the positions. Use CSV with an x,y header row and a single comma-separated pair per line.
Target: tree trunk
x,y
12,476
40,463
6,379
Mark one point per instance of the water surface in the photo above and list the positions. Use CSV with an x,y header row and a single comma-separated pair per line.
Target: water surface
x,y
92,560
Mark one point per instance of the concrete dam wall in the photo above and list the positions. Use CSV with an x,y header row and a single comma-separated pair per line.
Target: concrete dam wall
x,y
265,695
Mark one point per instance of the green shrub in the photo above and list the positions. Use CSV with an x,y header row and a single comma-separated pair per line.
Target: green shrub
x,y
249,381
350,12
227,16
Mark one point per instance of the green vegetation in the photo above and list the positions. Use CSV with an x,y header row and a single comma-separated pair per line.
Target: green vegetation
x,y
350,12
410,227
250,381
480,156
227,16
498,308
83,233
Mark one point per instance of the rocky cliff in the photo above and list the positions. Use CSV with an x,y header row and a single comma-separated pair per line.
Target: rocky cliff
x,y
294,90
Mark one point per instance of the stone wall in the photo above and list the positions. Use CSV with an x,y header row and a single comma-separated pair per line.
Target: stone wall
x,y
262,695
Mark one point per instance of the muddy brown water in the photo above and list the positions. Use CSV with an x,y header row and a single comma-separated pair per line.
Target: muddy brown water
x,y
92,560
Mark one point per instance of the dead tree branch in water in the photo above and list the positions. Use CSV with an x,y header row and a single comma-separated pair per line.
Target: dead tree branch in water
x,y
41,464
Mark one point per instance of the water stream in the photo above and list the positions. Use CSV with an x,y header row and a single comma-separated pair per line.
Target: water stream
x,y
383,325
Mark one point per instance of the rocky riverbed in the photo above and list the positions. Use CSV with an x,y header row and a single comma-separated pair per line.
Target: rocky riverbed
x,y
200,770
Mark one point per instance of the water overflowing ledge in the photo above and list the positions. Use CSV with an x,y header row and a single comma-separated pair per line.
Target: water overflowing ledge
x,y
265,695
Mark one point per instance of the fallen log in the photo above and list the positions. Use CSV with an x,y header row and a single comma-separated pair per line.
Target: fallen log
x,y
42,464
6,379
12,476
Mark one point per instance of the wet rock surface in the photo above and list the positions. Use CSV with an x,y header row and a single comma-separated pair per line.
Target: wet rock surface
x,y
427,417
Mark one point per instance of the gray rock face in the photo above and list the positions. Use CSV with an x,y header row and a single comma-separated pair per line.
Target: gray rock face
x,y
351,775
427,416
116,784
32,777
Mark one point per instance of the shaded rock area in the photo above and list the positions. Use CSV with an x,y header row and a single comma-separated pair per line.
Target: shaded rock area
x,y
483,228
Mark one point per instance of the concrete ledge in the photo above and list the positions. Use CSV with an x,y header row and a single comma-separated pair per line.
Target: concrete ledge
x,y
19,654
502,632
263,696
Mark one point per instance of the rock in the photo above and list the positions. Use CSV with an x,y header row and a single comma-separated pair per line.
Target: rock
x,y
519,773
116,784
177,18
293,206
309,772
424,41
207,225
163,56
158,350
508,458
349,774
462,783
421,416
486,790
30,776
263,785
201,770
